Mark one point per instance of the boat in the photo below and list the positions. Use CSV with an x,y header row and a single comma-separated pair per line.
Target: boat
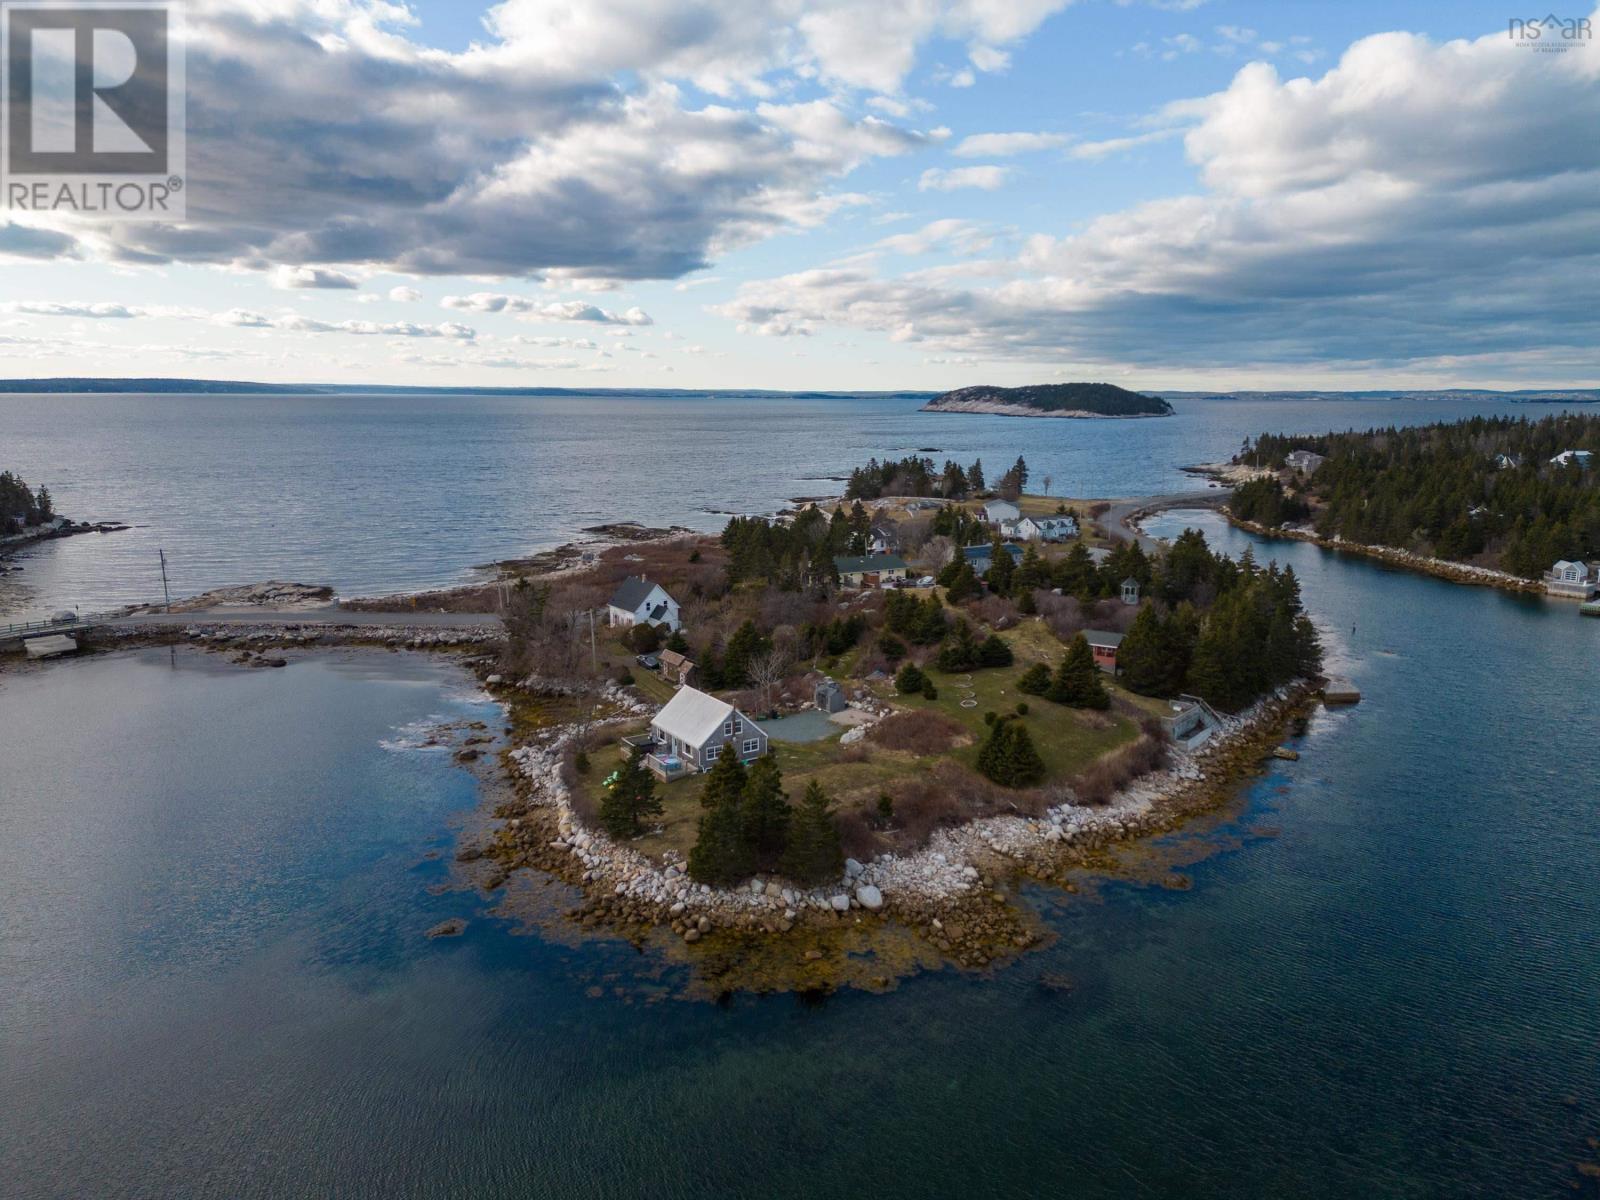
x,y
1590,608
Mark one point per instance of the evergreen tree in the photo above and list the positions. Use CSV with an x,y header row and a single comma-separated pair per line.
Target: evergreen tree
x,y
721,854
1032,572
1077,680
1002,567
745,644
1147,656
910,680
994,652
975,482
814,854
631,796
764,811
1035,681
1008,756
677,643
963,583
960,652
724,781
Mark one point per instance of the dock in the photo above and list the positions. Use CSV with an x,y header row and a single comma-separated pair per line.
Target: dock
x,y
1340,691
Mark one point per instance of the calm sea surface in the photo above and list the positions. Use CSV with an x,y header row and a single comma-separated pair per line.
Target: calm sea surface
x,y
383,493
214,980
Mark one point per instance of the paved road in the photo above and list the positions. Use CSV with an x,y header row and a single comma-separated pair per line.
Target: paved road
x,y
319,616
1116,517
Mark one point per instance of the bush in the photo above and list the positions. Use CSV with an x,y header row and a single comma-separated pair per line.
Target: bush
x,y
1104,779
1008,756
929,692
1035,680
580,762
911,680
995,652
623,677
1022,708
917,731
891,647
644,638
990,717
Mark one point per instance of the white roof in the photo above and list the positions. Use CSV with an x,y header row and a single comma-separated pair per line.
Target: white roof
x,y
692,716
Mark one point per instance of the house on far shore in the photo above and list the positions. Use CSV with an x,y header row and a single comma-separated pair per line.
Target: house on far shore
x,y
1573,580
637,601
1044,529
883,539
1104,643
869,570
676,668
692,731
998,512
1304,461
1584,458
982,556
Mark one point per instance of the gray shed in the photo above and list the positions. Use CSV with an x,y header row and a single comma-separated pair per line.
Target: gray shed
x,y
830,697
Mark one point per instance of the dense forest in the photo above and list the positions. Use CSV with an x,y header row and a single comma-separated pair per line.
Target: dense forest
x,y
1483,491
20,505
1101,399
913,476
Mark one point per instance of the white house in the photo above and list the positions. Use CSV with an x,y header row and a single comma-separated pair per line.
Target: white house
x,y
997,512
1576,580
1304,461
638,600
1584,458
695,729
1044,529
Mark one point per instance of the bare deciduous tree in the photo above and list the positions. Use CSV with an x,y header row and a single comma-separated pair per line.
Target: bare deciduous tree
x,y
767,670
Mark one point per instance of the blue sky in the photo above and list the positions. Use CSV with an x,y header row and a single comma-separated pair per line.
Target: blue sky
x,y
849,195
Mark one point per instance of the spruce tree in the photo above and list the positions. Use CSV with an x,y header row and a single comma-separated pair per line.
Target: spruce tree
x,y
724,781
910,680
1035,681
1024,767
631,796
995,652
1077,679
721,855
814,854
1001,567
963,583
765,811
1145,657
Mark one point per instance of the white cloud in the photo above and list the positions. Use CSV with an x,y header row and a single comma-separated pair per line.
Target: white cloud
x,y
1003,145
404,295
939,179
41,308
566,310
1417,202
297,323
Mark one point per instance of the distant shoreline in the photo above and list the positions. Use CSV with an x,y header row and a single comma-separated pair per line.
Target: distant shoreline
x,y
996,409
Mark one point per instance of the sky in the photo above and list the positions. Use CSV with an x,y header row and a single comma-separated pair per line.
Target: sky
x,y
849,195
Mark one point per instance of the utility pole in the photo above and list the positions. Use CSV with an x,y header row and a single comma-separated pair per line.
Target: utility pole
x,y
165,594
594,655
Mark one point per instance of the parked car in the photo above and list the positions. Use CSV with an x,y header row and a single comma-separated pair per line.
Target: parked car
x,y
648,661
65,617
926,581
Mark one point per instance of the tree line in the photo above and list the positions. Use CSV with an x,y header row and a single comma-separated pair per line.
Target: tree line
x,y
1483,490
21,506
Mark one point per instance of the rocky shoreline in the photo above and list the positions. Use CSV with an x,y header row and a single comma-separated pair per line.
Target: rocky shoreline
x,y
1440,568
949,903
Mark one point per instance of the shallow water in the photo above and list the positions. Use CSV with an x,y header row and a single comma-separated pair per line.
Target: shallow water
x,y
375,494
1381,983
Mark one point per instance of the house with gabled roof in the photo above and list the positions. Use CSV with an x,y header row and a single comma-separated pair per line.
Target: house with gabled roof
x,y
639,601
1043,529
998,512
981,556
693,730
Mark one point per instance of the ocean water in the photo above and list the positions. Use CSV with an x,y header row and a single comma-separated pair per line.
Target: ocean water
x,y
1382,982
377,494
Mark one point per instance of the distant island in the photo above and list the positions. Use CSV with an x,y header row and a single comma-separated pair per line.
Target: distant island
x,y
1051,400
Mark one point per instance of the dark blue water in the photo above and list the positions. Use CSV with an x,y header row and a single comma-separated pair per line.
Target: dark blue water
x,y
376,494
1382,983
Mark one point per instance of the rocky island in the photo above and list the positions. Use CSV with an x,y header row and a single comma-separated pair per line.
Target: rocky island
x,y
1051,400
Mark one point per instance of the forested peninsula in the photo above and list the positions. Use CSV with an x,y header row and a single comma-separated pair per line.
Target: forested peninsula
x,y
1501,493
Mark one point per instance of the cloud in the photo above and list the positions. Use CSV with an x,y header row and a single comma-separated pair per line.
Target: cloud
x,y
1110,146
25,241
296,323
312,277
326,144
39,308
404,295
1003,145
567,310
938,179
1417,202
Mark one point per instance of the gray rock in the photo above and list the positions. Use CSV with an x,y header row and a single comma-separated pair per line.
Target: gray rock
x,y
840,903
852,868
870,897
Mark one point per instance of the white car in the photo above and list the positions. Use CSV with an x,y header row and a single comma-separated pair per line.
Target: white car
x,y
65,617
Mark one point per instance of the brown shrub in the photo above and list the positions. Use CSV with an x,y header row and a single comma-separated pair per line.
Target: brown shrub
x,y
917,731
997,612
1104,779
856,835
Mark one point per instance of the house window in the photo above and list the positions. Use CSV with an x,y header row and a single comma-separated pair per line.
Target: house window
x,y
727,729
710,753
738,726
752,745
